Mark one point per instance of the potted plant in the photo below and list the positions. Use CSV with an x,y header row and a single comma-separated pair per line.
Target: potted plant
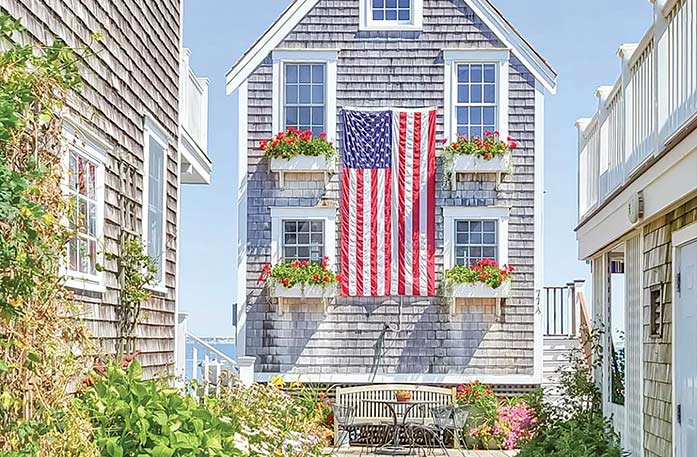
x,y
403,396
299,151
486,279
488,154
300,278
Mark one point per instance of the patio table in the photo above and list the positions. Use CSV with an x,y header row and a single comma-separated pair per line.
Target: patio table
x,y
396,447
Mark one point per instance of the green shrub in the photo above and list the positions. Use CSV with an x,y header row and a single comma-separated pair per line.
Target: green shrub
x,y
590,435
135,417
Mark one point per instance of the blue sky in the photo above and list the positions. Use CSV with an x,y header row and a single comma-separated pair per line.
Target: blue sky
x,y
579,39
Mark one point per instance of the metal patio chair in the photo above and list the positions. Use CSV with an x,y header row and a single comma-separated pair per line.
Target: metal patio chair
x,y
344,417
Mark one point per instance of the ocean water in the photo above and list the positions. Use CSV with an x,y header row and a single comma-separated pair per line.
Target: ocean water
x,y
221,344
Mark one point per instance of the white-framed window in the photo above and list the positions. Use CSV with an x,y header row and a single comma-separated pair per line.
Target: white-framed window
x,y
83,185
304,90
303,233
475,239
387,15
475,233
155,197
476,92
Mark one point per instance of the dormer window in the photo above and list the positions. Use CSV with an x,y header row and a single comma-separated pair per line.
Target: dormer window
x,y
391,15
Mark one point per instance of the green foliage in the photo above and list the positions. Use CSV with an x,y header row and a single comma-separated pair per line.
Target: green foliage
x,y
487,148
301,272
137,271
486,271
135,417
574,427
274,423
294,142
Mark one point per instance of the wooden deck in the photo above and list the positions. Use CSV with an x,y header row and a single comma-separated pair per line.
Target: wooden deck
x,y
356,452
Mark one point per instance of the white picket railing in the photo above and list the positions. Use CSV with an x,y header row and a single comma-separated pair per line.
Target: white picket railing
x,y
653,100
212,369
194,104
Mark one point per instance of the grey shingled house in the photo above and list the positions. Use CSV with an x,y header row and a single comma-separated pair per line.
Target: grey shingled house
x,y
466,59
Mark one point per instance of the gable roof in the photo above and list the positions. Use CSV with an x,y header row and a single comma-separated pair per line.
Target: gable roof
x,y
484,9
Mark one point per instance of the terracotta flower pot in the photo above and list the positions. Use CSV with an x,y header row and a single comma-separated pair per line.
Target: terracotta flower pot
x,y
403,396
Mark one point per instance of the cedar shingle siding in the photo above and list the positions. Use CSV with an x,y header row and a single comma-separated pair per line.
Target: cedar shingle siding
x,y
395,69
135,71
658,382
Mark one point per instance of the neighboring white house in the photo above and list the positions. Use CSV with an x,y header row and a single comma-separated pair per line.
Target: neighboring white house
x,y
638,227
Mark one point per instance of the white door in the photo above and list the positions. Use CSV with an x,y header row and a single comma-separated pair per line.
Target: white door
x,y
685,354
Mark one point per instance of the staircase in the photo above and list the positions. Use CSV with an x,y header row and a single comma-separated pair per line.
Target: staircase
x,y
565,321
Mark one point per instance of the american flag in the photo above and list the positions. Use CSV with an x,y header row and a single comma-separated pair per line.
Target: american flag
x,y
388,203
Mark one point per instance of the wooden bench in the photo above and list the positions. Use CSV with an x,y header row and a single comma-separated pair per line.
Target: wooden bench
x,y
367,412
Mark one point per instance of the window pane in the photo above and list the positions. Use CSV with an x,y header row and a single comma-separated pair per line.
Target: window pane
x,y
303,238
305,74
317,226
404,4
317,74
305,94
316,238
489,73
476,253
304,252
73,171
391,15
291,117
462,238
489,238
463,73
303,226
476,95
391,3
489,93
156,155
463,93
476,116
291,226
461,251
290,253
462,226
475,131
92,223
317,94
291,93
290,238
291,73
378,3
463,131
83,254
475,238
378,15
489,253
305,114
72,254
489,226
317,116
489,115
403,15
476,73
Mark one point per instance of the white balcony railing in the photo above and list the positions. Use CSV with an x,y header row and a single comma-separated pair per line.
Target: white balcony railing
x,y
194,124
653,100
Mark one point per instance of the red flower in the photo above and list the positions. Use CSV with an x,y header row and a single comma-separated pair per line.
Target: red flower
x,y
315,276
327,278
294,264
487,156
323,135
456,145
487,133
445,140
513,145
291,129
321,395
338,278
280,136
286,281
496,132
275,143
263,144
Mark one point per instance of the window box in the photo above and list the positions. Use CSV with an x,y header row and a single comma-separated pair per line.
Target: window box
x,y
302,164
466,163
480,290
300,291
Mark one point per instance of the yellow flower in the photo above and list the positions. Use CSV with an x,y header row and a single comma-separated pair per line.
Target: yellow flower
x,y
25,211
278,381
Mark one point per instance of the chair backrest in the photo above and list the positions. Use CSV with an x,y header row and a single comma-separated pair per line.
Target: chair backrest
x,y
460,415
441,415
343,415
362,398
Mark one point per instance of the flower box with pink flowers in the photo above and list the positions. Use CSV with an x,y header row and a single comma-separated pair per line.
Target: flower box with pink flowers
x,y
489,154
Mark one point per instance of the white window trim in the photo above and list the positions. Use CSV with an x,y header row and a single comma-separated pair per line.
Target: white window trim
x,y
152,128
501,214
327,215
367,23
329,57
90,145
453,57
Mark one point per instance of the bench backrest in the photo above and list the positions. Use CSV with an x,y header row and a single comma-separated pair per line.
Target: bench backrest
x,y
362,399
